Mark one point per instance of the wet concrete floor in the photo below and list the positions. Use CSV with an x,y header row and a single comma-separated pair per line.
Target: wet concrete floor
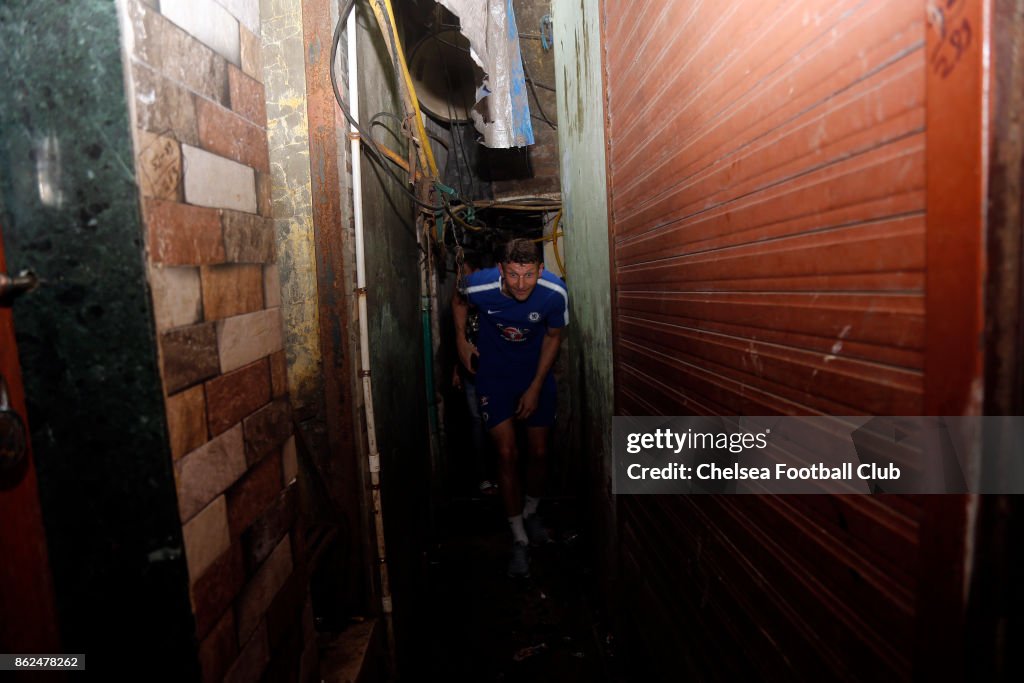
x,y
488,627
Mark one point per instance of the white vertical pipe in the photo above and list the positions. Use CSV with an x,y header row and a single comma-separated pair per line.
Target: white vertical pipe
x,y
364,334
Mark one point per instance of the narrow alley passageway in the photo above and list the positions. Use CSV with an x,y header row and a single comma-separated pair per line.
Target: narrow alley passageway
x,y
239,245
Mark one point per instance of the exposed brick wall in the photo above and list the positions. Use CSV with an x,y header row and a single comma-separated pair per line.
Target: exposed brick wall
x,y
204,179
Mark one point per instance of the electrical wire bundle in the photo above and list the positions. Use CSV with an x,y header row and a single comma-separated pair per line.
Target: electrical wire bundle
x,y
448,204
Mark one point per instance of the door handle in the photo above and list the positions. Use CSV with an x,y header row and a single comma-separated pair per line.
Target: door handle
x,y
13,287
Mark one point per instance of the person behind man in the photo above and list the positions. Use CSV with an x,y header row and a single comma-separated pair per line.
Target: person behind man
x,y
464,380
523,309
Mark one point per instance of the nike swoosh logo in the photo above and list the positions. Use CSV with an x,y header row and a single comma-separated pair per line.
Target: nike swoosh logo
x,y
490,312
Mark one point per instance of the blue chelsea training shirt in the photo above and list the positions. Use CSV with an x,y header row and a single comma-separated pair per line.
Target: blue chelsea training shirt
x,y
511,332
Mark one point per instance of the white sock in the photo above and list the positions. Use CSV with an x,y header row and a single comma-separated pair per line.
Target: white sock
x,y
518,532
530,508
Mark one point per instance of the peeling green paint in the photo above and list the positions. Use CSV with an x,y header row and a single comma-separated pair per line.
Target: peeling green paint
x,y
585,223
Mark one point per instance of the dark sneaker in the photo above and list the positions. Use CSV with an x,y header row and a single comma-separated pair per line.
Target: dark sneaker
x,y
519,564
535,530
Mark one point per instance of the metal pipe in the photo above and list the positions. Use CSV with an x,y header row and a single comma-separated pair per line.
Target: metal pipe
x,y
431,344
373,454
435,332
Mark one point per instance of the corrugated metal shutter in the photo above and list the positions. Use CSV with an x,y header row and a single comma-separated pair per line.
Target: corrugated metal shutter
x,y
767,198
767,186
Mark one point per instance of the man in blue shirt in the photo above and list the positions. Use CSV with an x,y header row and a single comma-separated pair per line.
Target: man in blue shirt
x,y
523,309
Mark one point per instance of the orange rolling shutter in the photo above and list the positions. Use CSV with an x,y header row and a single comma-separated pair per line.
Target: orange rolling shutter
x,y
769,216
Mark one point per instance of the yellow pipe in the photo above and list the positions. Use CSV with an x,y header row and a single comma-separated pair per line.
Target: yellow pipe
x,y
555,234
553,238
414,104
399,161
386,33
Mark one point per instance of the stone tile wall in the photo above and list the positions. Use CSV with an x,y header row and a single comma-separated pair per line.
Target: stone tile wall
x,y
204,170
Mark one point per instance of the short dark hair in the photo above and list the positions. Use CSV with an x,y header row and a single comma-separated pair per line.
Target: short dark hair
x,y
473,259
521,250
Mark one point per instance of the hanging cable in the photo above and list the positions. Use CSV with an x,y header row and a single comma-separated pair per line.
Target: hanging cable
x,y
385,15
376,150
459,142
451,114
375,121
536,99
450,203
435,36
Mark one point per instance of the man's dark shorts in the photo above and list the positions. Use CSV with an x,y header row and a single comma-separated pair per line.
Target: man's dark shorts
x,y
500,398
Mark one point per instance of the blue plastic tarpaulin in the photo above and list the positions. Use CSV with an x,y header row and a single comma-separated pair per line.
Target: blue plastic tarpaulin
x,y
502,110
